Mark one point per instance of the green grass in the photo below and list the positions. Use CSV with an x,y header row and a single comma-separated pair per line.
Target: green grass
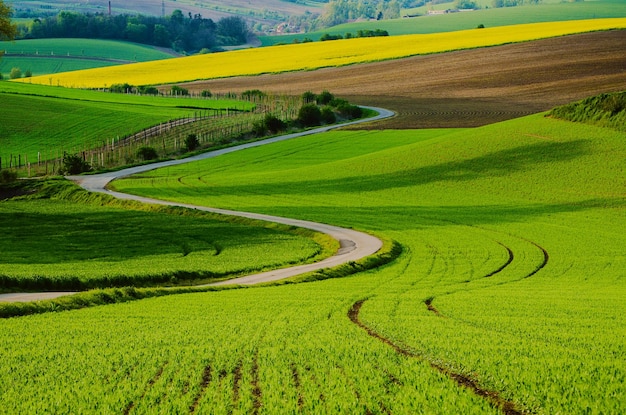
x,y
491,17
606,110
41,122
511,231
62,238
48,56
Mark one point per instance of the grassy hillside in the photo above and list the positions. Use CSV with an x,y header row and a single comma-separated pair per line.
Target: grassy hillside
x,y
317,55
45,56
606,110
489,17
512,270
41,122
97,241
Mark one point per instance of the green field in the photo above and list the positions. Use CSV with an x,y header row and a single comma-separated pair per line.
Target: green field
x,y
490,17
511,275
47,56
41,122
96,241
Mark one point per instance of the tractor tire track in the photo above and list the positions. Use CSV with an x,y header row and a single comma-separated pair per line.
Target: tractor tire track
x,y
493,397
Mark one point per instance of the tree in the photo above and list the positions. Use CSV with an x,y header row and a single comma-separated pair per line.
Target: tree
x,y
178,91
191,142
7,30
74,164
324,98
15,73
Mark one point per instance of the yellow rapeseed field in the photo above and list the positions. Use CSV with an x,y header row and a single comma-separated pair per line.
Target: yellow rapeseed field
x,y
315,55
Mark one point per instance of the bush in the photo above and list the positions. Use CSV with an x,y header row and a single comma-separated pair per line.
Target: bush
x,y
324,98
28,73
309,115
349,111
191,142
121,88
252,93
74,164
269,123
328,116
15,73
273,123
308,97
176,90
148,90
147,153
206,94
7,176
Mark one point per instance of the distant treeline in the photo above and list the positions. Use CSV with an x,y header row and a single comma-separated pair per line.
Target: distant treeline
x,y
190,33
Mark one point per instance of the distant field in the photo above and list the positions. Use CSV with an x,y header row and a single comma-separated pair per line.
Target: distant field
x,y
41,122
266,11
316,55
489,17
46,56
465,88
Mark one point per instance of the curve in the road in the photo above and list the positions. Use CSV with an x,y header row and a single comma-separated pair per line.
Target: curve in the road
x,y
354,245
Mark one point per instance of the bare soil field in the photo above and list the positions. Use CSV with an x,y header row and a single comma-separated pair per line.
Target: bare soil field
x,y
463,88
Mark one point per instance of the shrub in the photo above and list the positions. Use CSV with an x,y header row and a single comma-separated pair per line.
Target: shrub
x,y
74,164
15,73
121,88
328,116
206,94
309,115
28,73
350,111
308,97
273,123
191,142
176,90
252,93
269,123
147,153
324,98
148,90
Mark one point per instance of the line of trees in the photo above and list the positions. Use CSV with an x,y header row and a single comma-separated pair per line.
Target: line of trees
x,y
190,33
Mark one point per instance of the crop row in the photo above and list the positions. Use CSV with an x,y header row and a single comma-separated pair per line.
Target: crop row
x,y
510,232
530,198
315,55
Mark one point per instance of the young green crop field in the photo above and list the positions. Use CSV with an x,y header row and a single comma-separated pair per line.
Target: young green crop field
x,y
61,238
46,56
511,277
489,17
41,122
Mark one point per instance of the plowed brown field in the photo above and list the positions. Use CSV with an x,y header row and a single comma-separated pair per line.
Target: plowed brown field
x,y
464,88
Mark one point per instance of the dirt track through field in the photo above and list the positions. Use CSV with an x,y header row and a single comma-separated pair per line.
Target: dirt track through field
x,y
464,88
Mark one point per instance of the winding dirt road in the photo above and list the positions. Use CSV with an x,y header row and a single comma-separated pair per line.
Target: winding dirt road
x,y
353,245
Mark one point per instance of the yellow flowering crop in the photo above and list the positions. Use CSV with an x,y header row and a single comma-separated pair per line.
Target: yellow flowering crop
x,y
315,55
